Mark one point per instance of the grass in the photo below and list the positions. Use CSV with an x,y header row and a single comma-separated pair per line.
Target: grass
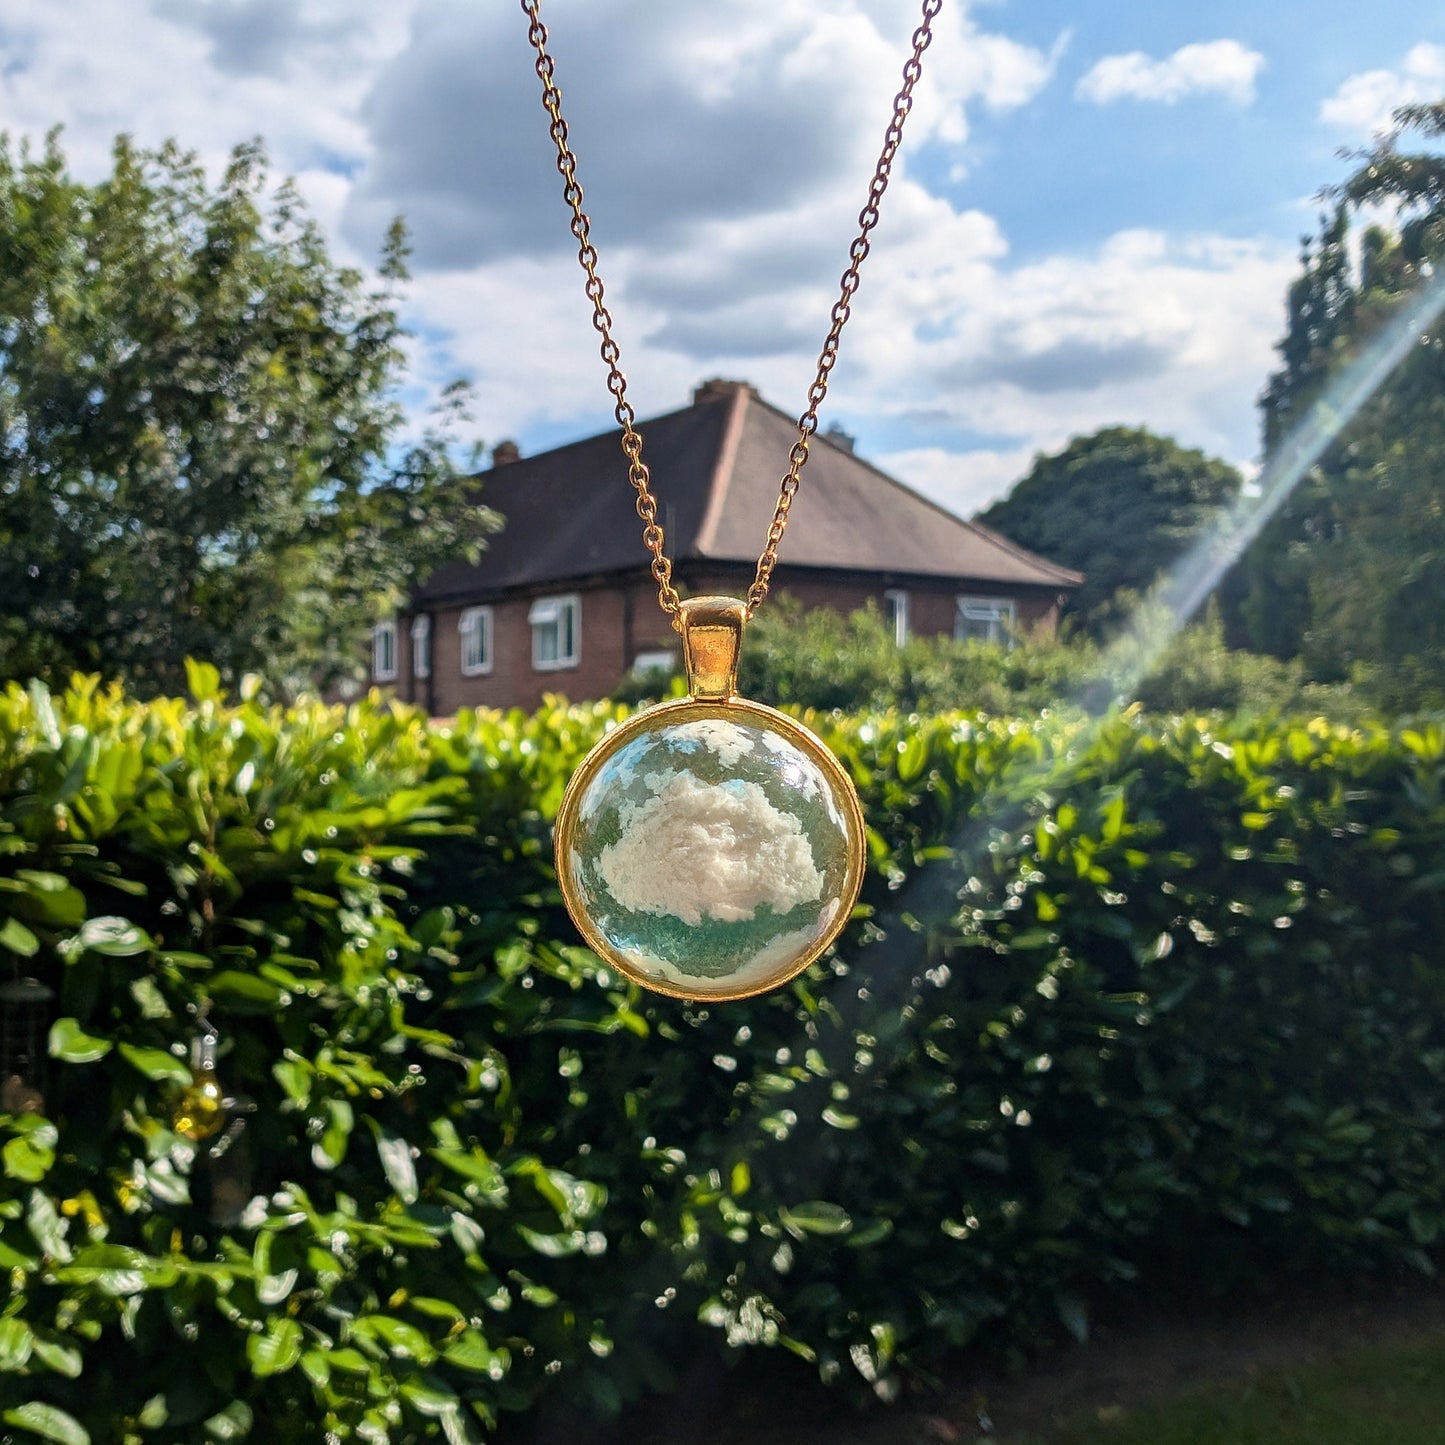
x,y
1375,1395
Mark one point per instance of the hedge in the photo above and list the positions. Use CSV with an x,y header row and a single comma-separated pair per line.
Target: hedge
x,y
1121,998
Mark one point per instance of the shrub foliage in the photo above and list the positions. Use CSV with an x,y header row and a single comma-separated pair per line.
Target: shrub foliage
x,y
1120,996
822,660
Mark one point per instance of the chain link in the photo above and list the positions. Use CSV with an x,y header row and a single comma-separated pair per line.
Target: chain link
x,y
581,227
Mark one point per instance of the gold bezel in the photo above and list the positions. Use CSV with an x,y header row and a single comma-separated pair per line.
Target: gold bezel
x,y
686,710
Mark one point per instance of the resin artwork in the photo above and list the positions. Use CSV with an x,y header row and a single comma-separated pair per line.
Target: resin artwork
x,y
710,850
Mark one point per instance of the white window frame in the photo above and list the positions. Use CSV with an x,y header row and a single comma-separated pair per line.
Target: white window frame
x,y
475,622
997,615
421,646
564,614
895,601
658,660
383,650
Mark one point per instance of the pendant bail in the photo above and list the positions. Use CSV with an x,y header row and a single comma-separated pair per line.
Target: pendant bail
x,y
712,634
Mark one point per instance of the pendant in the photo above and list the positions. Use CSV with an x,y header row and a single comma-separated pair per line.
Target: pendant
x,y
710,848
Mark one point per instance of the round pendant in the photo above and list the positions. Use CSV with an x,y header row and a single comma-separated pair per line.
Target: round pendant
x,y
710,848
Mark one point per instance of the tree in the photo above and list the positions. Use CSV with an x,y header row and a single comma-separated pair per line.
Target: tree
x,y
1350,574
202,451
1120,506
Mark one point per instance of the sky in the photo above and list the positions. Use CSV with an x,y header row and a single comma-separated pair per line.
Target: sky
x,y
1093,221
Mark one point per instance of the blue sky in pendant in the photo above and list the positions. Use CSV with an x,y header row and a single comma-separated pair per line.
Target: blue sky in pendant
x,y
1094,221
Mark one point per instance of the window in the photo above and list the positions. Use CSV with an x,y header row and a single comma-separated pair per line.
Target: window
x,y
475,630
556,625
984,619
421,646
659,661
895,614
383,651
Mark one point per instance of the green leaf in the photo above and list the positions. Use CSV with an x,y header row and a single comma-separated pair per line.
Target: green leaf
x,y
16,1342
72,1045
246,993
474,1165
203,681
116,1269
294,1075
156,1064
232,1423
56,899
13,1259
330,1149
271,1289
27,1158
113,937
149,998
870,1234
43,707
396,1163
457,1427
277,1350
438,1309
352,1361
429,1398
18,939
554,1246
49,1422
815,1216
316,1367
912,757
154,1413
58,1356
47,1228
470,1351
402,1339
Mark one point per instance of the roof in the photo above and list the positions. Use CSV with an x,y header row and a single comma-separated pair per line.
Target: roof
x,y
715,468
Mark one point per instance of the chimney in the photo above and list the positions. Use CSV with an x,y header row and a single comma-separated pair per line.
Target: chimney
x,y
843,440
719,388
505,453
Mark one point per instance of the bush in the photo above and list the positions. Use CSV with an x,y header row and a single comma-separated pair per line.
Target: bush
x,y
363,1251
1119,995
822,660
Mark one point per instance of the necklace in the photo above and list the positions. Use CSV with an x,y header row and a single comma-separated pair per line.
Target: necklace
x,y
711,848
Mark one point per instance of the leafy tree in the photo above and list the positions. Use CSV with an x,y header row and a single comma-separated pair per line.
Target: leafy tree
x,y
201,445
1350,575
1119,506
1320,308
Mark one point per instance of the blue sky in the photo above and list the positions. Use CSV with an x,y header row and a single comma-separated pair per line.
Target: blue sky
x,y
1095,218
1201,162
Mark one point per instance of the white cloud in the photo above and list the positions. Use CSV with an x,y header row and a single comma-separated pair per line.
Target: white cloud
x,y
957,366
1365,102
770,105
170,70
1176,334
1213,67
725,149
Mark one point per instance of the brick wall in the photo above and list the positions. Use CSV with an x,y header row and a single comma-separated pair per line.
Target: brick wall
x,y
615,623
620,620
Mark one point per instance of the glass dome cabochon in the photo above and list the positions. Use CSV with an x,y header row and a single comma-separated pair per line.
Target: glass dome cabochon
x,y
710,849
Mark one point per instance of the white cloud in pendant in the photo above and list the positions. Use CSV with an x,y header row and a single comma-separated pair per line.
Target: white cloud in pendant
x,y
695,850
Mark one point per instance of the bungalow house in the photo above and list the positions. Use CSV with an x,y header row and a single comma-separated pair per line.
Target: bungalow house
x,y
563,600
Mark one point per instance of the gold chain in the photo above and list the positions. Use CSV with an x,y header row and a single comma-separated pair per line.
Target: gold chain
x,y
637,472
